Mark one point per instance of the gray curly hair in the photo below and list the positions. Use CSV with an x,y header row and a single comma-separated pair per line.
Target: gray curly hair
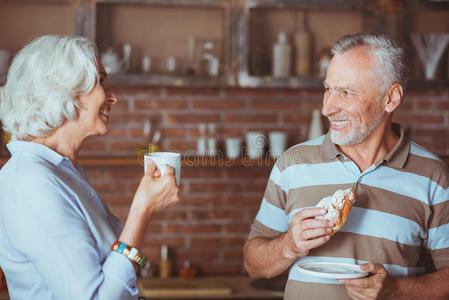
x,y
43,84
391,60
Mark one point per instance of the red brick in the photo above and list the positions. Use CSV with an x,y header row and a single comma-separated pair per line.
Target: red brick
x,y
121,106
219,104
250,118
173,118
204,242
239,200
168,214
296,118
211,186
155,117
93,145
127,91
151,240
124,146
258,93
276,104
311,105
238,228
414,118
247,172
179,146
117,132
199,255
227,214
164,104
220,132
193,91
233,255
187,228
194,172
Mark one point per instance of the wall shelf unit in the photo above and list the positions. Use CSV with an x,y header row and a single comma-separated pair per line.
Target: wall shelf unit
x,y
243,31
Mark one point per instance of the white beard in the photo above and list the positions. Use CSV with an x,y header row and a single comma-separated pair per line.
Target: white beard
x,y
357,134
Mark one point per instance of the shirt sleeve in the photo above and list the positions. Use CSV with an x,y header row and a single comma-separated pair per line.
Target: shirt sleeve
x,y
51,232
438,235
271,220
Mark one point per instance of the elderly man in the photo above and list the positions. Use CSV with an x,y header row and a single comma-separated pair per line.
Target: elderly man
x,y
400,219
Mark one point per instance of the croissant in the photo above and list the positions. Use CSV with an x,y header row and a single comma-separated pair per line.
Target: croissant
x,y
338,207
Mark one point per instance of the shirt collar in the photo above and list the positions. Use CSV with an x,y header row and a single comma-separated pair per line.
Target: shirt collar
x,y
396,158
37,149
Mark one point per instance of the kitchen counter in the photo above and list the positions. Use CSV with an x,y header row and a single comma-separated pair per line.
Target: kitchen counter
x,y
217,287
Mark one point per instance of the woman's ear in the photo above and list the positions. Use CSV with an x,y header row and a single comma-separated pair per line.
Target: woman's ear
x,y
394,97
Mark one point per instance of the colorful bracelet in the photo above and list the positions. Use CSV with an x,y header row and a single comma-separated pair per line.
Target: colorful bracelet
x,y
130,252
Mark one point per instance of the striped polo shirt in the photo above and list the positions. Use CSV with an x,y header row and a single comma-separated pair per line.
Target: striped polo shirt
x,y
400,217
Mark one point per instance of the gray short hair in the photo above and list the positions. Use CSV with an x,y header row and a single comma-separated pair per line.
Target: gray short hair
x,y
43,83
391,60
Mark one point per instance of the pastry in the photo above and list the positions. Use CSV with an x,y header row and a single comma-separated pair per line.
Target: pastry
x,y
338,208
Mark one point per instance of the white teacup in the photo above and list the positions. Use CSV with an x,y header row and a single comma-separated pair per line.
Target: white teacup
x,y
277,141
164,159
255,143
233,148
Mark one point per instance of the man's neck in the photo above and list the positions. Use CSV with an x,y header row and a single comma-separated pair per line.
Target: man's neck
x,y
373,148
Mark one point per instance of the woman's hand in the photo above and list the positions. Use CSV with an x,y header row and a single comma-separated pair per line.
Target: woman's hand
x,y
156,192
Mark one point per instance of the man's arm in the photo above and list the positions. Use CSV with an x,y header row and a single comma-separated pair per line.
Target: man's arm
x,y
270,257
379,285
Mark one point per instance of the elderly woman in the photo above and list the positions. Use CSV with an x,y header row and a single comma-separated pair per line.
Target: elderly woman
x,y
58,240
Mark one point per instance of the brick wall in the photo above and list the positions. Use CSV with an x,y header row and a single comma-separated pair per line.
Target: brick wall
x,y
210,224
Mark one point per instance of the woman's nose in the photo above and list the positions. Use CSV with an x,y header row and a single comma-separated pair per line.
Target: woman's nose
x,y
112,98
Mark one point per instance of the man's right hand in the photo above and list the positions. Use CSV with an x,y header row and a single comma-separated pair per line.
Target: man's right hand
x,y
306,232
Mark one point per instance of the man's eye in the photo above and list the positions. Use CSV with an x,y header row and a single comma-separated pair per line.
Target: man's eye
x,y
345,93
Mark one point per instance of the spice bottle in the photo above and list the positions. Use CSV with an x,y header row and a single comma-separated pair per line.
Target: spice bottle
x,y
164,264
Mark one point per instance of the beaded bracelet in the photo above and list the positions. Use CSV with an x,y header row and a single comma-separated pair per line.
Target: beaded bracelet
x,y
130,252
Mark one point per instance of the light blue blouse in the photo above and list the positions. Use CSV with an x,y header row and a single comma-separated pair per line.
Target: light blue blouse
x,y
56,233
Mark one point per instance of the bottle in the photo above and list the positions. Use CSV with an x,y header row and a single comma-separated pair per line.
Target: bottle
x,y
164,264
211,141
281,57
303,43
316,127
201,143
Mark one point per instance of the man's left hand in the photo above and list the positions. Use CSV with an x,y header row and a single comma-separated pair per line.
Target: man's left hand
x,y
371,287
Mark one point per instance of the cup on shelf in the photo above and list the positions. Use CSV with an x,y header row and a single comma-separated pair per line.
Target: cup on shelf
x,y
164,159
277,142
146,64
255,144
170,64
233,146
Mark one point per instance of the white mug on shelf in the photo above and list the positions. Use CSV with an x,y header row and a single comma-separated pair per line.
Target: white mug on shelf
x,y
146,64
277,142
233,147
255,144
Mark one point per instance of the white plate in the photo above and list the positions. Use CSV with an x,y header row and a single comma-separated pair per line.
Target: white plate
x,y
333,270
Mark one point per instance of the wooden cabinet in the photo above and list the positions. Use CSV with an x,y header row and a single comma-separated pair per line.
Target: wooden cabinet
x,y
242,33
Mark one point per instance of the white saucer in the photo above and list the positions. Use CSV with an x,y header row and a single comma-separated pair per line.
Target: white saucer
x,y
334,270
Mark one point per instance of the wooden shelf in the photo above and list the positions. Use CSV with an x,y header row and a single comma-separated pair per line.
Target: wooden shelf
x,y
135,79
194,161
